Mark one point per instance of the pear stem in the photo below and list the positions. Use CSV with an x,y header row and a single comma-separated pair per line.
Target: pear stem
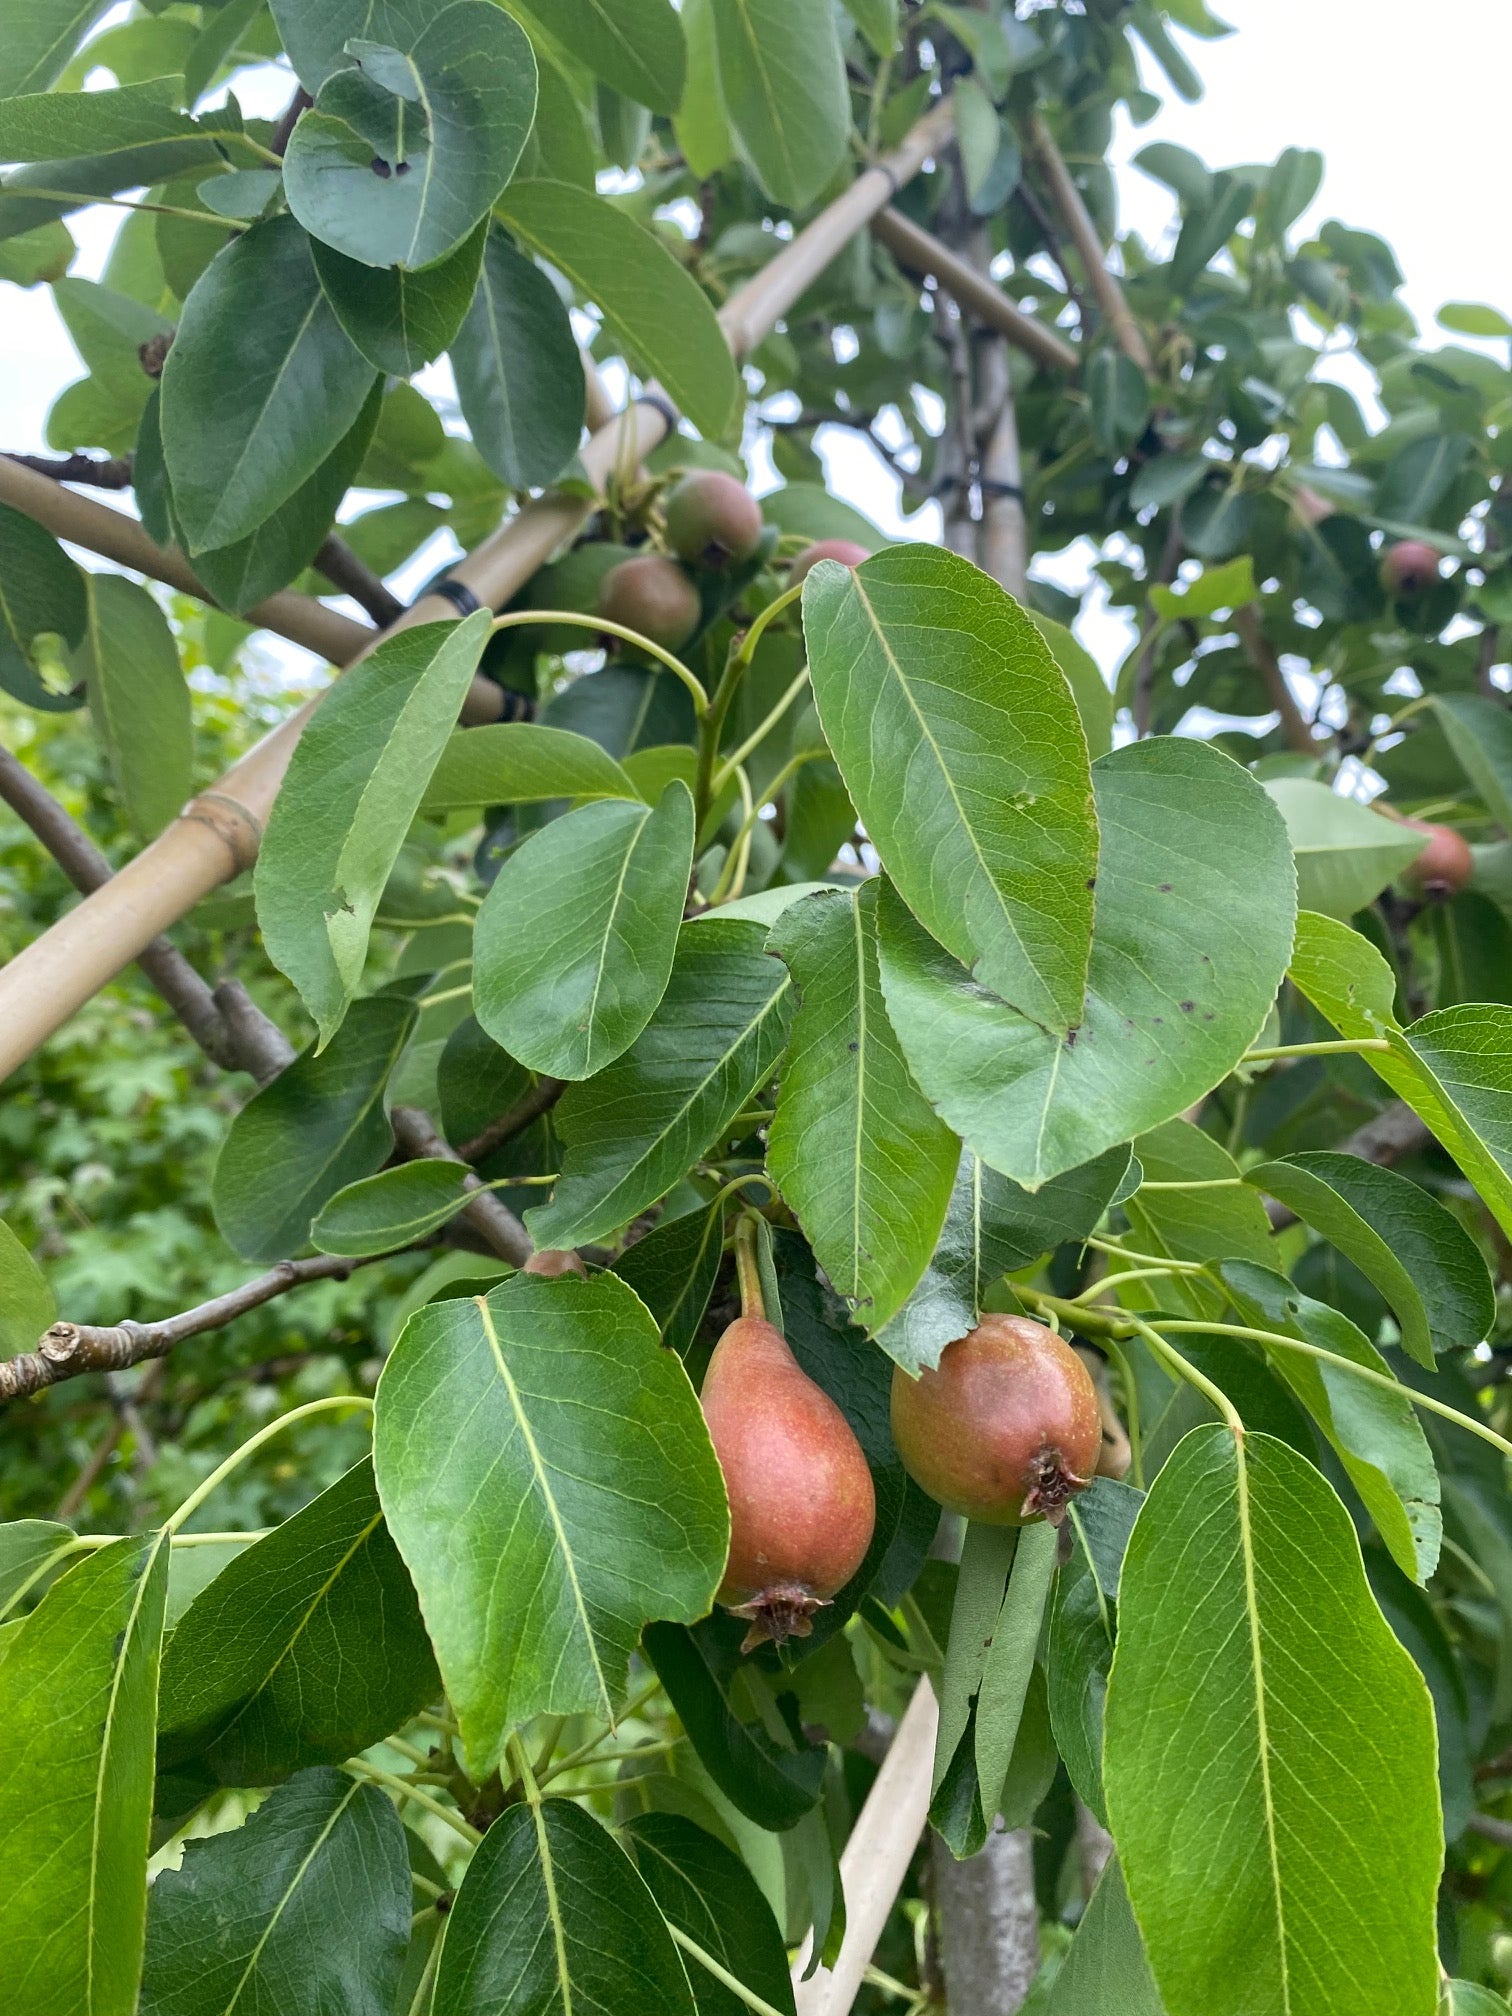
x,y
747,1268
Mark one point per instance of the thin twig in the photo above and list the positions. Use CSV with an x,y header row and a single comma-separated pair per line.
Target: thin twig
x,y
526,1110
288,120
1067,199
103,472
1261,654
344,570
420,1138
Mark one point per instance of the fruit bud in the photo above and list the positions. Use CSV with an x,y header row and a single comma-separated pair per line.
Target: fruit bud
x,y
653,597
846,551
712,520
1006,1430
802,1506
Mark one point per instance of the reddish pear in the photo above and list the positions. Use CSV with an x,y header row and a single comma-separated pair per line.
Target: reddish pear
x,y
1409,567
802,1507
1006,1430
1445,864
712,520
652,596
846,551
552,1261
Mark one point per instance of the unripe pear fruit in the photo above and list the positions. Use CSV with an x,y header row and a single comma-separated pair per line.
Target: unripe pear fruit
x,y
552,1261
1409,567
653,597
846,551
1006,1430
802,1507
1445,864
712,520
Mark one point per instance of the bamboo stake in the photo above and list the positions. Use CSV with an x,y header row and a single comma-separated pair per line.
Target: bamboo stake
x,y
1083,233
875,1859
217,834
921,252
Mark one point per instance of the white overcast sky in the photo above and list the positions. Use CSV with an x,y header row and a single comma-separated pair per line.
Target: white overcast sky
x,y
1407,104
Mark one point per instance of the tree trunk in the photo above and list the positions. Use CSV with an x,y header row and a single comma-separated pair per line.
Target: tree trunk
x,y
989,1924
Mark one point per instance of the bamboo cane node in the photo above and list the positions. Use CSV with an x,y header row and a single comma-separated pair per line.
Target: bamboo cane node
x,y
231,823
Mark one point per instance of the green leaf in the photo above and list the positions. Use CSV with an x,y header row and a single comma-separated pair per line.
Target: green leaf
x,y
547,1474
1105,1972
1466,1998
1452,1067
305,1906
673,1270
1089,689
40,37
354,783
855,1148
1079,1646
28,1549
772,1786
551,1916
318,1126
1118,401
632,1131
649,303
519,372
1312,1753
708,1893
1416,478
260,386
1221,1223
1376,1433
1215,588
393,1208
27,1305
1479,732
521,763
701,125
575,940
397,318
240,575
956,1804
445,111
1193,927
1418,1254
634,45
1345,853
993,1225
1010,1659
139,700
78,1689
44,609
782,78
963,752
304,1649
315,38
82,178
56,125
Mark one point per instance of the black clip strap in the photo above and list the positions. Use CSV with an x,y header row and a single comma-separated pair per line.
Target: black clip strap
x,y
989,487
460,596
659,403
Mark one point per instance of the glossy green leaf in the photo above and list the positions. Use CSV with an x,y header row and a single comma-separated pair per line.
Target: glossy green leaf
x,y
40,37
44,611
1079,1643
634,45
304,1907
1193,929
1010,1659
575,940
1309,1757
1418,1254
701,125
55,125
1480,734
354,783
1346,854
319,1125
632,1131
78,1689
855,1147
991,1226
27,1305
1453,1067
649,302
304,1649
955,1804
29,1549
518,369
1468,1998
398,318
783,82
1375,1433
82,178
521,763
963,752
260,386
552,1916
547,1474
1221,1223
1089,689
240,575
393,1208
772,1786
445,111
139,700
1118,402
673,1270
1416,478
709,1894
1105,1972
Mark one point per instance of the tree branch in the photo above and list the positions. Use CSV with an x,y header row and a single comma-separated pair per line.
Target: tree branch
x,y
109,472
1067,199
529,1107
342,568
420,1138
68,1350
288,119
1262,655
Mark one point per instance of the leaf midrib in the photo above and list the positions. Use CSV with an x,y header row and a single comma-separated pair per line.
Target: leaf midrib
x,y
1257,1659
294,1882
